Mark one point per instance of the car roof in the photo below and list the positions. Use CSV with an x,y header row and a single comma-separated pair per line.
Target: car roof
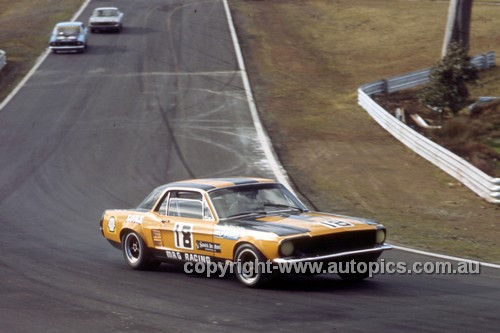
x,y
208,184
106,8
68,24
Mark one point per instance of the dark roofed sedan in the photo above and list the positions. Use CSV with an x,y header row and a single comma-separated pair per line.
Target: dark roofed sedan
x,y
240,220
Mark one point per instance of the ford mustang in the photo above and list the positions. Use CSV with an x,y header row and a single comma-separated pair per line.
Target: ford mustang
x,y
237,220
106,18
68,36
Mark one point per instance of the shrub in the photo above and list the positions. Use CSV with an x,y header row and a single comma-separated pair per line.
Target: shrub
x,y
447,89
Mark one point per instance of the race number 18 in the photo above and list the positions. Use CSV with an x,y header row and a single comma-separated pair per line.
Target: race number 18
x,y
183,234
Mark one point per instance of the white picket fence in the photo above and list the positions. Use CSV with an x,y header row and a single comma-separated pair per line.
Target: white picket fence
x,y
3,59
485,186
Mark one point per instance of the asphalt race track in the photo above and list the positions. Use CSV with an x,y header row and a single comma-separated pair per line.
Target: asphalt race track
x,y
163,101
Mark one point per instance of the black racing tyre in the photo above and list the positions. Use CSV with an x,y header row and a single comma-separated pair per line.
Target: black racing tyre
x,y
247,272
136,253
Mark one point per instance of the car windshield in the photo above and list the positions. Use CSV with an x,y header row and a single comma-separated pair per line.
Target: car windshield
x,y
151,199
106,12
254,199
72,30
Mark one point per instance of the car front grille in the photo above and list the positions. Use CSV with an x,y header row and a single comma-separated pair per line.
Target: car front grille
x,y
65,43
103,24
334,243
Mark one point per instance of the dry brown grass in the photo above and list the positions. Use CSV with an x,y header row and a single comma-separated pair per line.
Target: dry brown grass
x,y
472,136
306,60
25,27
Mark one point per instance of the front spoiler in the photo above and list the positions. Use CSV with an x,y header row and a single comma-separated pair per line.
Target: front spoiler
x,y
109,25
67,47
339,255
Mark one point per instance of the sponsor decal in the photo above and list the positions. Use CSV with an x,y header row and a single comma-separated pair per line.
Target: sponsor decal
x,y
226,233
135,218
173,255
337,224
207,246
187,256
112,224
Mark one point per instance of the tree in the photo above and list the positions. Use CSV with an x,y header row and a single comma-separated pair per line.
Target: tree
x,y
447,89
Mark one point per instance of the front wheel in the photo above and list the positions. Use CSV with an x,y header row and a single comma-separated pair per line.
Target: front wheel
x,y
136,253
250,269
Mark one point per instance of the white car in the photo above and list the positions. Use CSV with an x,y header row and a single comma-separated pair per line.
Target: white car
x,y
106,18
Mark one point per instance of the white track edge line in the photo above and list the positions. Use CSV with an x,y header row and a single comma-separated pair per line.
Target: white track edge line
x,y
278,170
443,256
38,62
276,167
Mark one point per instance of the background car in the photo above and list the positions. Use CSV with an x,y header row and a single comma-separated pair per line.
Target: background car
x,y
243,220
106,18
68,36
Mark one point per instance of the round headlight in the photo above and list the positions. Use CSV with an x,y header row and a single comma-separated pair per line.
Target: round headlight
x,y
111,224
286,248
380,239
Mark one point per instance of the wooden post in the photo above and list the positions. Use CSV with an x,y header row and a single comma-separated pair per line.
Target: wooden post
x,y
450,24
458,25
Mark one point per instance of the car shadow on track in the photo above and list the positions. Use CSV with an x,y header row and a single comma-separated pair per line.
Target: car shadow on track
x,y
286,282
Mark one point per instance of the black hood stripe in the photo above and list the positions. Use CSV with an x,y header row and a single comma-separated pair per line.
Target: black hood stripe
x,y
276,228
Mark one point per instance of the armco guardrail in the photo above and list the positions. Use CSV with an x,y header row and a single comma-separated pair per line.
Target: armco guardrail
x,y
3,59
485,186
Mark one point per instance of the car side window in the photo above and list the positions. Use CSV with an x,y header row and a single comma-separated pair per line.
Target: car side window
x,y
188,204
185,208
182,204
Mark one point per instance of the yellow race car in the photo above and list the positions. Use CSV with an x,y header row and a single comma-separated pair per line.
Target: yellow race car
x,y
238,220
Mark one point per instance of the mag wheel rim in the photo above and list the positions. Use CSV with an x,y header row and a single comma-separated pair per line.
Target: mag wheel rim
x,y
133,248
248,272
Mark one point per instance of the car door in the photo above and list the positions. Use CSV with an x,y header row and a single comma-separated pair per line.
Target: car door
x,y
188,223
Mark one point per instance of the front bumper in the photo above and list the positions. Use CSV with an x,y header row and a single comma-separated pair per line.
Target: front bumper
x,y
105,25
67,47
337,256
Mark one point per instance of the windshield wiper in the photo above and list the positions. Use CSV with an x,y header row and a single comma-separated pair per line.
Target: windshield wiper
x,y
247,213
283,206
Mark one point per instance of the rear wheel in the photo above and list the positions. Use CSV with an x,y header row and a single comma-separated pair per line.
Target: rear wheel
x,y
136,253
250,267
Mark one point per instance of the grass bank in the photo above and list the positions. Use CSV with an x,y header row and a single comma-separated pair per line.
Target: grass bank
x,y
25,27
306,60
